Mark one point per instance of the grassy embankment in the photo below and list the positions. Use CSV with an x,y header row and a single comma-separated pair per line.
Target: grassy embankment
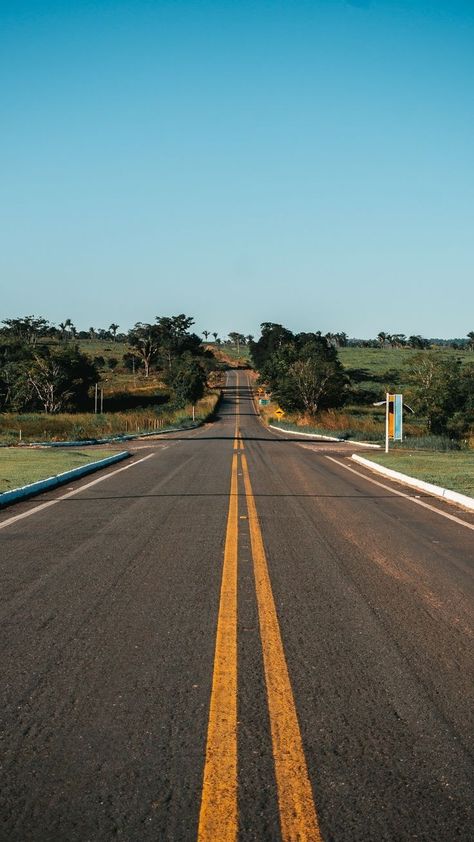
x,y
38,427
449,470
21,466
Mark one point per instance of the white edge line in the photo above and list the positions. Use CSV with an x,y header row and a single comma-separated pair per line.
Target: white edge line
x,y
419,484
46,505
401,494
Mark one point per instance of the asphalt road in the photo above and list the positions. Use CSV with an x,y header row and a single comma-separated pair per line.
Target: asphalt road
x,y
236,637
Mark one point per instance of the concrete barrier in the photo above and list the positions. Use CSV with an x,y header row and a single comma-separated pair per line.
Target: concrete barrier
x,y
17,494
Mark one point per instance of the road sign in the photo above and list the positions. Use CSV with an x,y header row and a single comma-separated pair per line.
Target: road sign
x,y
279,413
264,401
393,419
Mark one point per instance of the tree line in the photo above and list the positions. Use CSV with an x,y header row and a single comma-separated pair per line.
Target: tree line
x,y
304,374
43,368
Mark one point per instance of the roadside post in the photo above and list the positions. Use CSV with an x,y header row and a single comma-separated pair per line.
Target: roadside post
x,y
393,418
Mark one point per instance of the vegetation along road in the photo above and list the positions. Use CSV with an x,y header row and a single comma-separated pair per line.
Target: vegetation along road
x,y
236,636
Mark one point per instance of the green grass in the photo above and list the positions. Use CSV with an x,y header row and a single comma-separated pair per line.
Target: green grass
x,y
453,470
20,466
374,370
378,360
39,427
102,348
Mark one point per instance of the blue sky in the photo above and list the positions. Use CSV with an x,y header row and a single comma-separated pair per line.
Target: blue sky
x,y
309,163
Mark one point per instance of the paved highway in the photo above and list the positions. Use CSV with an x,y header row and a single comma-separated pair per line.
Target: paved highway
x,y
236,636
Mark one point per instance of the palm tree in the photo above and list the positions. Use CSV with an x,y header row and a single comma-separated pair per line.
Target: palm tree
x,y
63,327
235,338
92,333
249,338
206,333
470,336
215,335
381,338
113,329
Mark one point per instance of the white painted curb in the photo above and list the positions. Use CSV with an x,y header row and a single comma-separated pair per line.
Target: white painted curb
x,y
16,494
326,438
421,485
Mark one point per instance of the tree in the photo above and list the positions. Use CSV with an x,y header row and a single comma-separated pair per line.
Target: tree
x,y
63,326
236,338
418,342
113,329
27,329
308,383
215,335
15,356
342,339
60,380
145,341
206,334
470,337
313,378
435,389
187,378
381,338
273,338
302,371
175,338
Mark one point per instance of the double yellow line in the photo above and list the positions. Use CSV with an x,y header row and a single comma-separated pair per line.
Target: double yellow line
x,y
218,821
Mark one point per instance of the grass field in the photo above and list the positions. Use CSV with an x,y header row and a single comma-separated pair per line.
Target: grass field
x,y
378,360
20,466
373,371
450,470
38,427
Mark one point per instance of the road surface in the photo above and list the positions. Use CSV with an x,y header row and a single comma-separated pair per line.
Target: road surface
x,y
236,636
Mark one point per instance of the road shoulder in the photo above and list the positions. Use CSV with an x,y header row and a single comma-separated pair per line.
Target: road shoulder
x,y
415,482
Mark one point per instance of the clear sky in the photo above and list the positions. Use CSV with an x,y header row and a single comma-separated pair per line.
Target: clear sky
x,y
308,162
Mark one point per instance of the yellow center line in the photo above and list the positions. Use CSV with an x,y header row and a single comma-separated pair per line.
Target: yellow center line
x,y
218,816
298,817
